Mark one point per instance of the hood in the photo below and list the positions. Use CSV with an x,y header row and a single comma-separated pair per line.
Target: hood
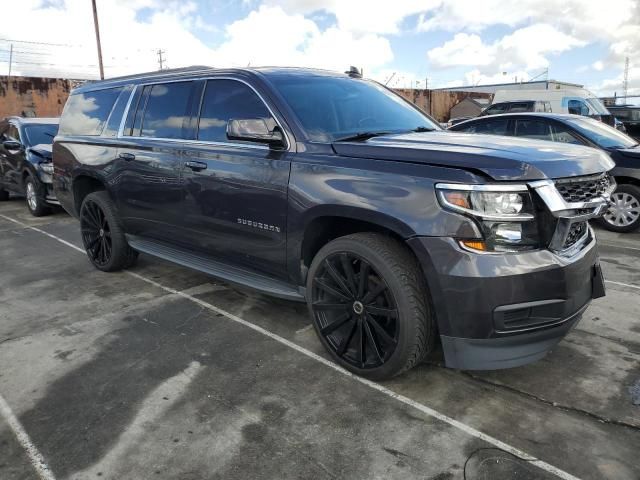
x,y
501,158
42,150
630,152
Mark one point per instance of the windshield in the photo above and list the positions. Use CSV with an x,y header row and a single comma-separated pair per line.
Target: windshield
x,y
598,106
331,108
40,133
602,134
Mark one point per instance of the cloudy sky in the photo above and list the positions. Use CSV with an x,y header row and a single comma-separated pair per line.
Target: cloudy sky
x,y
452,42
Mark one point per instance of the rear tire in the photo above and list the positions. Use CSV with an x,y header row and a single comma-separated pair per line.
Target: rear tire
x,y
369,304
4,195
624,215
35,197
103,235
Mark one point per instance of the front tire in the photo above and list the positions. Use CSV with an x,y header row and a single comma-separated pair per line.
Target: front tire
x,y
369,305
35,198
4,195
624,215
103,235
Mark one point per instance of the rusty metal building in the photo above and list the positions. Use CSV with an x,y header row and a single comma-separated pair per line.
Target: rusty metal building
x,y
34,96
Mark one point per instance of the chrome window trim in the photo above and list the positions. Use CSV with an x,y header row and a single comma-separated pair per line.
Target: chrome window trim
x,y
204,142
201,142
483,187
125,114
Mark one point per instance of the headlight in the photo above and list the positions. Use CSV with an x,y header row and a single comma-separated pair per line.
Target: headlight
x,y
47,168
505,214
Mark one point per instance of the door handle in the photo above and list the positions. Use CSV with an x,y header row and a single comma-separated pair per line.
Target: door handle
x,y
195,166
127,156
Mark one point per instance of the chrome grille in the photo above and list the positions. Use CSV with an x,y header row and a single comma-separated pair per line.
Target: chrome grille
x,y
583,189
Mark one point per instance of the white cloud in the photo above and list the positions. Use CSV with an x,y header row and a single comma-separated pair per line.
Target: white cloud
x,y
297,41
362,16
599,65
525,48
129,45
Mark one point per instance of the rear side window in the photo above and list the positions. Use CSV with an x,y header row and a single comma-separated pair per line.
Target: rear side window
x,y
519,107
225,100
167,110
537,129
498,126
113,124
87,113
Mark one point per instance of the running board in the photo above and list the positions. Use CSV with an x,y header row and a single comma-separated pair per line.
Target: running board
x,y
215,268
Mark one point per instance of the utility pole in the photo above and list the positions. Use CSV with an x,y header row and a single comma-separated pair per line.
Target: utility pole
x,y
625,81
10,58
95,22
160,59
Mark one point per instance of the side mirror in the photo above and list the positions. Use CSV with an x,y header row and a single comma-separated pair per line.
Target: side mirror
x,y
11,145
255,130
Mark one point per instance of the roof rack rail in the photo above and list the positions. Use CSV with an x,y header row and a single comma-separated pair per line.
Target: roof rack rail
x,y
160,73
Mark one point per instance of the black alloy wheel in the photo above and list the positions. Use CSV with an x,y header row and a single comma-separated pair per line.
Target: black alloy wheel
x,y
96,233
370,305
355,311
102,234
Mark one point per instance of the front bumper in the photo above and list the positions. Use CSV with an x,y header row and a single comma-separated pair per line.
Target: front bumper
x,y
501,311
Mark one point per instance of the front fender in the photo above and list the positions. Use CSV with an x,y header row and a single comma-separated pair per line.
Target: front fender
x,y
396,196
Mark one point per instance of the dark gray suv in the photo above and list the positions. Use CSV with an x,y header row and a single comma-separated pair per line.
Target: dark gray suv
x,y
328,188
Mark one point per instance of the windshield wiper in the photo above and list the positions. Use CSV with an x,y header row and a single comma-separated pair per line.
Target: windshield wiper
x,y
361,136
422,129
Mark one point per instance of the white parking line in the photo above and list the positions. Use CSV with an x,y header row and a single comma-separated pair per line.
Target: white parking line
x,y
617,245
628,285
35,457
384,390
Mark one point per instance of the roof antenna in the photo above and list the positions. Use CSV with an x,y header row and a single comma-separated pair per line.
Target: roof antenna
x,y
353,72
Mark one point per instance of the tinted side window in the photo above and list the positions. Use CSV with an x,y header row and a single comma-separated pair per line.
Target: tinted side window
x,y
492,127
497,108
577,107
538,129
13,133
519,107
167,110
87,113
225,100
113,124
564,135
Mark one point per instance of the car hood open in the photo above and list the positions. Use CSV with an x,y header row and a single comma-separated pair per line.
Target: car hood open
x,y
500,158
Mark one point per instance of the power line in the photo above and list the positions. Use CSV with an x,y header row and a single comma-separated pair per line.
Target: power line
x,y
39,43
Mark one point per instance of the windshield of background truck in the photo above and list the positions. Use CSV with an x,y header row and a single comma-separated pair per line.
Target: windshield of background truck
x,y
330,108
601,134
598,106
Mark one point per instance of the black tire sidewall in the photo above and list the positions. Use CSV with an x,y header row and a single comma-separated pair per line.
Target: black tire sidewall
x,y
635,192
407,326
121,254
